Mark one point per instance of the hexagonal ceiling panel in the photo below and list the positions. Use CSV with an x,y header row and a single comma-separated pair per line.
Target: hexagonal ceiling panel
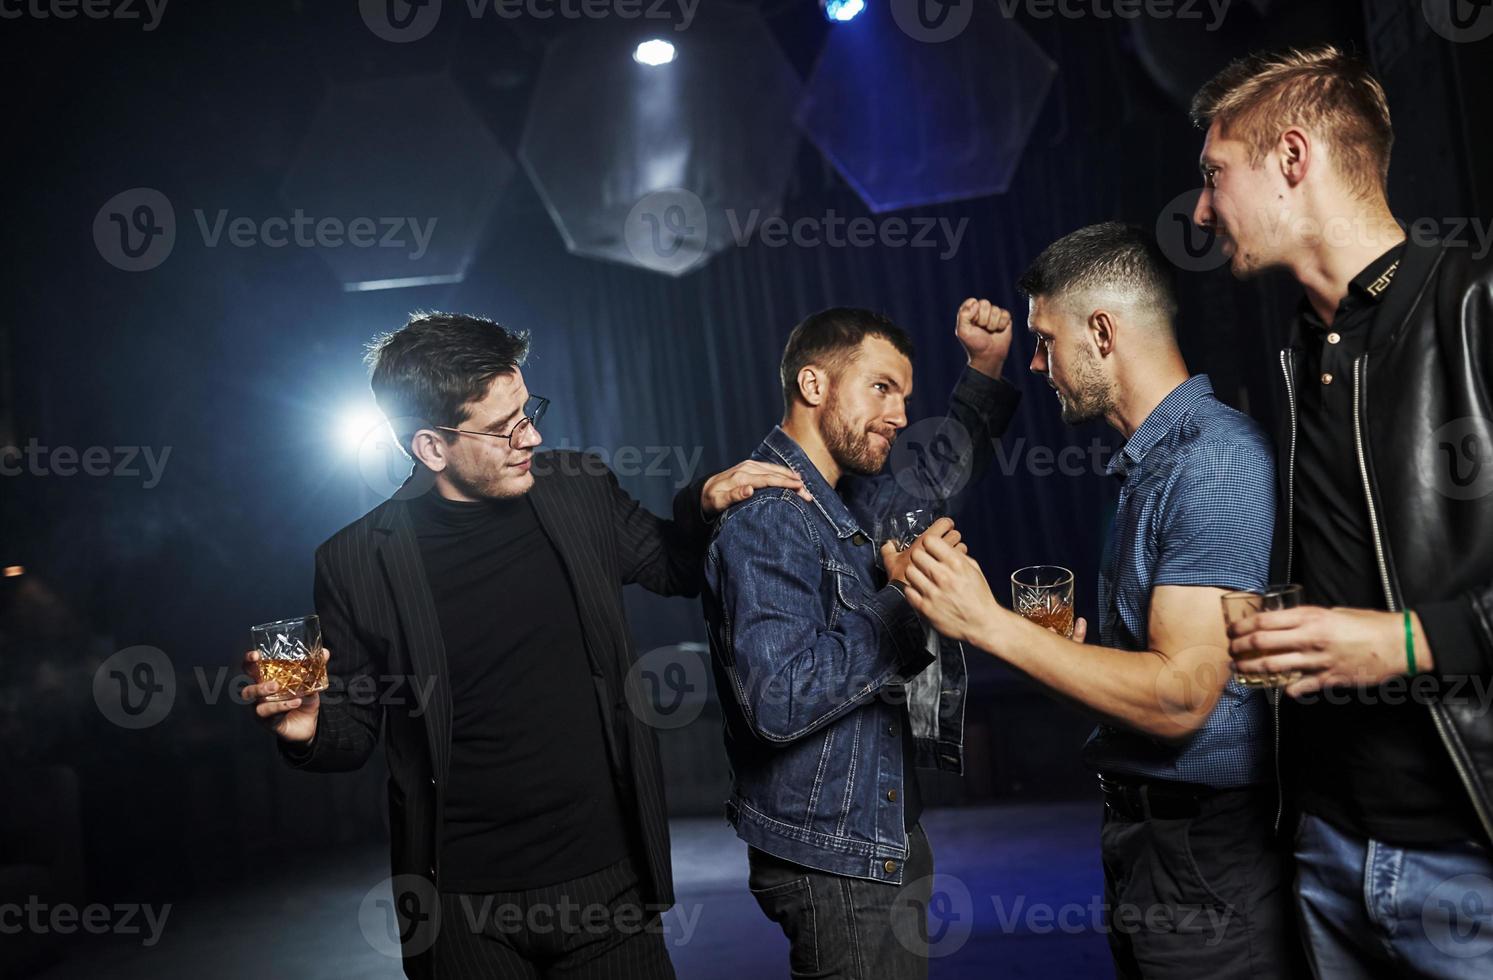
x,y
409,172
655,165
914,111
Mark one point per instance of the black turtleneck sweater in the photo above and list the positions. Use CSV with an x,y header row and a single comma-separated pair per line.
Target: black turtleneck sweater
x,y
530,800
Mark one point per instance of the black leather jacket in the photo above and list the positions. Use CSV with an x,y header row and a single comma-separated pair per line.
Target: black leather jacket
x,y
1423,397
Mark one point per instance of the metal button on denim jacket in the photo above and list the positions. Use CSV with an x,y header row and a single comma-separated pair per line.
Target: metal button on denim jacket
x,y
814,663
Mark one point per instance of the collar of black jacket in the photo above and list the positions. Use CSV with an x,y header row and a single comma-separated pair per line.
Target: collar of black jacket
x,y
1411,279
1365,291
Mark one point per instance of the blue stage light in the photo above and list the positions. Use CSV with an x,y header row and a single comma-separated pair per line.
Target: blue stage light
x,y
839,11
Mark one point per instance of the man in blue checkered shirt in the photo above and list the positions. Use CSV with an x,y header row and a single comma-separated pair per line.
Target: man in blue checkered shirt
x,y
1194,881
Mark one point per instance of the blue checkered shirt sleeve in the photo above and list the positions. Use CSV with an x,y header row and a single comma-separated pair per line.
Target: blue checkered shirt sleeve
x,y
1219,514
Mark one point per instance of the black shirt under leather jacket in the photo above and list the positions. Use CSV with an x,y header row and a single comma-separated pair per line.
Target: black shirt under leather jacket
x,y
1421,431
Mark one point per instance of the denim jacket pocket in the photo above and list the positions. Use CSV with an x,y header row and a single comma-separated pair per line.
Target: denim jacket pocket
x,y
850,591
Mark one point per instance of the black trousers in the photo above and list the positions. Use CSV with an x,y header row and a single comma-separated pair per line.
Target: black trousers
x,y
1200,896
841,928
596,927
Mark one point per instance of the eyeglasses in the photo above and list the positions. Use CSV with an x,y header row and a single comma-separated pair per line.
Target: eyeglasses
x,y
534,410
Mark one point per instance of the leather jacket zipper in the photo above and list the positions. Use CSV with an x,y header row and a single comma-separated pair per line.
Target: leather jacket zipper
x,y
1438,711
1286,364
1368,494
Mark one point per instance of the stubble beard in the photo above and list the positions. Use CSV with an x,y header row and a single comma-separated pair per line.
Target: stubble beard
x,y
850,448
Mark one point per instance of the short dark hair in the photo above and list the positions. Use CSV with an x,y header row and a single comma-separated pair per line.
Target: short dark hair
x,y
425,372
831,338
1108,255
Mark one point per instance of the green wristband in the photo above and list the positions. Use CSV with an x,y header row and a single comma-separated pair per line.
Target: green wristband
x,y
1409,643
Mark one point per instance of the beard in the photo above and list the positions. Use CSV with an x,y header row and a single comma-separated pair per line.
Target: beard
x,y
1092,395
852,447
491,481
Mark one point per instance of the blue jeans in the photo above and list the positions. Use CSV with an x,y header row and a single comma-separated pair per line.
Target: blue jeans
x,y
1369,909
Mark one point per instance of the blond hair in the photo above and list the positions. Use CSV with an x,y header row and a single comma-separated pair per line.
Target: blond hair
x,y
1321,89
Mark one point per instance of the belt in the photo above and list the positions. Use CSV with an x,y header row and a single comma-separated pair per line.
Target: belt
x,y
1161,799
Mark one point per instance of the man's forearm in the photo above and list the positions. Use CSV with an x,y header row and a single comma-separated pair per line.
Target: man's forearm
x,y
947,461
991,367
1140,690
984,404
663,556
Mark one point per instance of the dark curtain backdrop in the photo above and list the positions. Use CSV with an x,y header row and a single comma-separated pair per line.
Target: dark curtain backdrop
x,y
241,362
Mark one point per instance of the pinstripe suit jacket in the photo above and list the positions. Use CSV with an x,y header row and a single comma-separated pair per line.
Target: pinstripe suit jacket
x,y
388,666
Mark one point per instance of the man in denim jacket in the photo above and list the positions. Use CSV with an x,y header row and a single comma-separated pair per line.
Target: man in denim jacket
x,y
832,690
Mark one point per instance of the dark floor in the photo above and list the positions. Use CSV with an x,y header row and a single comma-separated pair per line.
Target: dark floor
x,y
1020,899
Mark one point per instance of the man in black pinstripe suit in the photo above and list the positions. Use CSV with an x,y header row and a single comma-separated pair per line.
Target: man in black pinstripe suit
x,y
477,619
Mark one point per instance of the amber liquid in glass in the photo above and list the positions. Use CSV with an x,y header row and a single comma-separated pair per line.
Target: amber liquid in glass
x,y
1054,615
296,678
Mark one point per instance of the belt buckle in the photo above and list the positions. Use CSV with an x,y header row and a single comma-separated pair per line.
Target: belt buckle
x,y
1123,800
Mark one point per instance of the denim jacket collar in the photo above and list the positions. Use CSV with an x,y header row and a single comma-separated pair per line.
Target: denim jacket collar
x,y
782,446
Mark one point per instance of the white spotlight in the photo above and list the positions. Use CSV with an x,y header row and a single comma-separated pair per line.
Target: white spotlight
x,y
653,53
359,424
